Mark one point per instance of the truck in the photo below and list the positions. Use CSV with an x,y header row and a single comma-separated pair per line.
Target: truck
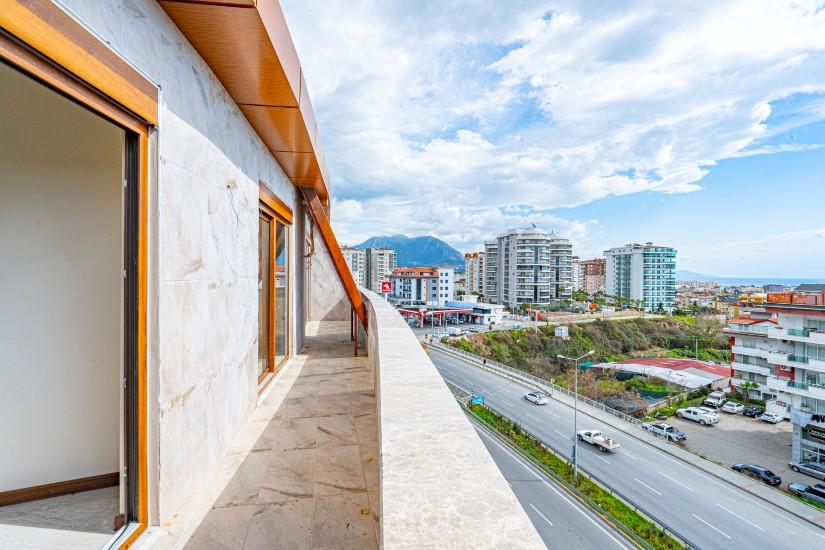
x,y
715,399
595,437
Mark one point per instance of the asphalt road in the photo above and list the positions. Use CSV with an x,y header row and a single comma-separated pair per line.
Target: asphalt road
x,y
705,510
561,520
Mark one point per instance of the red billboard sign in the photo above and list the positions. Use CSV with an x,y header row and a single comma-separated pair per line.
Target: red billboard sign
x,y
386,286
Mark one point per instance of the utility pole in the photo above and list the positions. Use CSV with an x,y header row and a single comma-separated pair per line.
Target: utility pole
x,y
575,408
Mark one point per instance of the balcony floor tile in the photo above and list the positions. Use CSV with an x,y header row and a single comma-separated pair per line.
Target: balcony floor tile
x,y
303,471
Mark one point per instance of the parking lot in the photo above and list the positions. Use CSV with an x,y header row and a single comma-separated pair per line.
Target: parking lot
x,y
737,438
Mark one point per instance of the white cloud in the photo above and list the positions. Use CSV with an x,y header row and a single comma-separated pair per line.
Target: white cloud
x,y
434,116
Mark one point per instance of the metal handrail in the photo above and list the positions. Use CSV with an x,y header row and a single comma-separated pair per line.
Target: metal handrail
x,y
530,379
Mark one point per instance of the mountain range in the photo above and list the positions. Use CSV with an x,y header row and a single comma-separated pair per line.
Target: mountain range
x,y
417,251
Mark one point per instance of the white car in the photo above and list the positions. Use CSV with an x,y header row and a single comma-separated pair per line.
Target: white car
x,y
703,416
536,398
733,408
773,418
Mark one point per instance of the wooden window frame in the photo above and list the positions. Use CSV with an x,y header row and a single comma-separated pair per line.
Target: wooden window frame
x,y
46,44
275,210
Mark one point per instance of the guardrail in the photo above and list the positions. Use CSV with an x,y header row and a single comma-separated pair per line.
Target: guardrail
x,y
528,378
595,479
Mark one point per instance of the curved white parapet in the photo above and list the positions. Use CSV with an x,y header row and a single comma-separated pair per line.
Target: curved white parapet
x,y
439,486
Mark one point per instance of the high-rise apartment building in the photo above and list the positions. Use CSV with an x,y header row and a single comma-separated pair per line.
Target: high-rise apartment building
x,y
357,261
593,276
646,273
474,273
491,271
422,286
780,349
576,272
380,263
533,267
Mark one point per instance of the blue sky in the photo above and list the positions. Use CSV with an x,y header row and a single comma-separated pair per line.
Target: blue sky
x,y
696,125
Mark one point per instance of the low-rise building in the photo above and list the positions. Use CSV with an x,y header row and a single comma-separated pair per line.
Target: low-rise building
x,y
421,286
482,314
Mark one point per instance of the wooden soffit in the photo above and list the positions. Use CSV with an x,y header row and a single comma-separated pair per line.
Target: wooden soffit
x,y
248,46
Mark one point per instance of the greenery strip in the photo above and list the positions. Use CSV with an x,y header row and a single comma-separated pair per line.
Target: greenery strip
x,y
630,519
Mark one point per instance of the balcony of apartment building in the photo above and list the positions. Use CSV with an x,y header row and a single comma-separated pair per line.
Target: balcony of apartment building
x,y
797,387
802,335
366,450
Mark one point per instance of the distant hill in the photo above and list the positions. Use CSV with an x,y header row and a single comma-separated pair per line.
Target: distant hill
x,y
417,251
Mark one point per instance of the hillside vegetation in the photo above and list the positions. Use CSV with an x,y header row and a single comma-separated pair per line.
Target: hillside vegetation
x,y
536,351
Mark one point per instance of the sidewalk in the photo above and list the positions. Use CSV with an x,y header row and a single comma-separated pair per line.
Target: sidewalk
x,y
770,495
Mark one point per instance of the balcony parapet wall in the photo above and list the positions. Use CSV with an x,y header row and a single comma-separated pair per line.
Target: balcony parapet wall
x,y
439,486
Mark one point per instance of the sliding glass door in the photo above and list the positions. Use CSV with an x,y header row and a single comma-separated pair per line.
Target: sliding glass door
x,y
273,291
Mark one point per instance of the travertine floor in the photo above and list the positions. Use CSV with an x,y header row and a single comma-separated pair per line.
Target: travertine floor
x,y
304,470
80,520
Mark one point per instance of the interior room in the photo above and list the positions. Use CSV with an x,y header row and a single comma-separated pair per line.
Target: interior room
x,y
61,319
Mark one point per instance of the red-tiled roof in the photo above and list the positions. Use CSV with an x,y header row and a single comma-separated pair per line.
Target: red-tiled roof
x,y
749,321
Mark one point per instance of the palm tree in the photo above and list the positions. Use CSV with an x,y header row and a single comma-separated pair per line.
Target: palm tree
x,y
747,386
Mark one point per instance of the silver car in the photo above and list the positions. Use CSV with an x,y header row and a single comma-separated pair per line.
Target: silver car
x,y
813,469
536,397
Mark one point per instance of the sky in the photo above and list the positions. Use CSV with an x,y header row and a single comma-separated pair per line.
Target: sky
x,y
698,125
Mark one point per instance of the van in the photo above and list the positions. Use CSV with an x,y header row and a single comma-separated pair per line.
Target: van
x,y
453,331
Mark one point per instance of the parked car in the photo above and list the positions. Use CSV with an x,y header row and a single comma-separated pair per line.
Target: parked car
x,y
816,494
813,469
773,418
474,329
753,411
705,417
536,398
666,431
715,399
453,331
594,437
758,472
733,407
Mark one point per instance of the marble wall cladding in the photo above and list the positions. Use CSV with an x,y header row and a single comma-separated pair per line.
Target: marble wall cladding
x,y
327,300
210,162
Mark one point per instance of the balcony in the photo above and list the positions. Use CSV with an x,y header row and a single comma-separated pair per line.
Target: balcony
x,y
349,452
804,335
756,369
745,350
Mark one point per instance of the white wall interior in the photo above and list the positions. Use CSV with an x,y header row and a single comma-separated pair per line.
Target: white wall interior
x,y
61,237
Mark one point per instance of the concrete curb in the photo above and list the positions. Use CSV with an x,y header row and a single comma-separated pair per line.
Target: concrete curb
x,y
799,509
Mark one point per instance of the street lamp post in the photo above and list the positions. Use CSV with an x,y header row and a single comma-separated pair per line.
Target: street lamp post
x,y
575,408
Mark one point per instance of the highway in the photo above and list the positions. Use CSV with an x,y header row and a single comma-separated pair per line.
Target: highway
x,y
707,511
561,520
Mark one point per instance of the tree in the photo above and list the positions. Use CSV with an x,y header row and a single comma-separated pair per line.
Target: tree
x,y
747,386
579,296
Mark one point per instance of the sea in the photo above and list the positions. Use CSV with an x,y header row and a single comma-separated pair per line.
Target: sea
x,y
762,281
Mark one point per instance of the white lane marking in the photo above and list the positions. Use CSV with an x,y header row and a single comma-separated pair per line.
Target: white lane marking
x,y
510,484
582,512
658,453
539,513
506,402
600,457
712,527
568,501
561,434
533,417
675,481
626,453
642,483
737,515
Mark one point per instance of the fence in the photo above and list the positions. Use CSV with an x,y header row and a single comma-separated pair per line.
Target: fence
x,y
595,479
530,380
